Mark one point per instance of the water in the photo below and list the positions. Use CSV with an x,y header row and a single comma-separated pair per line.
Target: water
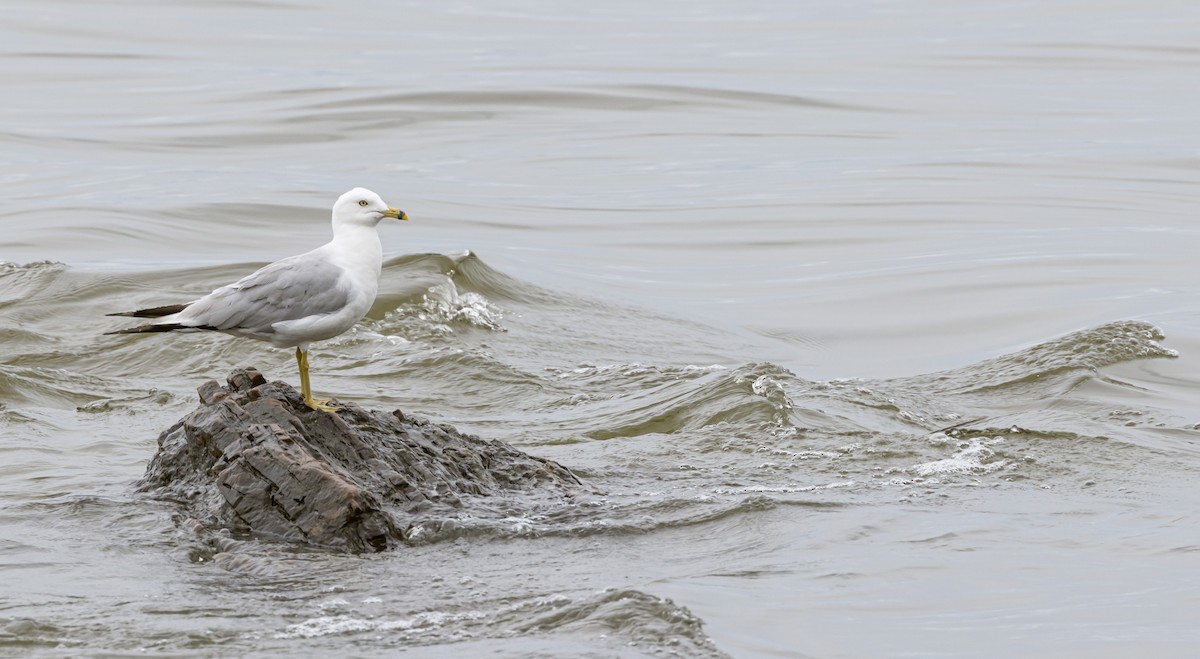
x,y
871,325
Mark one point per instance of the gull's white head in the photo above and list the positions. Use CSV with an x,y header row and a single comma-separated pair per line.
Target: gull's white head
x,y
361,206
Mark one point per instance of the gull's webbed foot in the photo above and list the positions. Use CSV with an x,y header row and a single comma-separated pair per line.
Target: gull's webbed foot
x,y
321,405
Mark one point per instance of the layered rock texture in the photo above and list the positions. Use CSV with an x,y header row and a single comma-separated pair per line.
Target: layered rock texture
x,y
254,460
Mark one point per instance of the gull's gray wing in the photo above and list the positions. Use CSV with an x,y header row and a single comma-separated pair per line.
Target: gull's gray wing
x,y
289,289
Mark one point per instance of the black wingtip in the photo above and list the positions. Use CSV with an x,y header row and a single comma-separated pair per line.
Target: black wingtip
x,y
153,312
141,329
164,327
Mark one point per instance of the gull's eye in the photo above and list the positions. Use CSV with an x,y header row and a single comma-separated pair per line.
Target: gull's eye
x,y
362,202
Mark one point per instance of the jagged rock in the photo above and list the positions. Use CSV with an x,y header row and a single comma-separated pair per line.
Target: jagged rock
x,y
253,458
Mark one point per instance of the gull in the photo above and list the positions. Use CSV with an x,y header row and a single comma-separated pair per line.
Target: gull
x,y
294,301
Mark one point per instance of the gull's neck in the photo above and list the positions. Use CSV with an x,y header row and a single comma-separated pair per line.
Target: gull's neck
x,y
353,226
358,246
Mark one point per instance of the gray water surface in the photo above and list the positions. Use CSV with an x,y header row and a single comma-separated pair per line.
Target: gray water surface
x,y
872,325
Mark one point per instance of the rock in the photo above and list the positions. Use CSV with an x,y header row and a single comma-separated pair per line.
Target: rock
x,y
255,460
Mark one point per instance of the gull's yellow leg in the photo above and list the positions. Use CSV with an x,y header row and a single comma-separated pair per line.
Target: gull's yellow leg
x,y
306,388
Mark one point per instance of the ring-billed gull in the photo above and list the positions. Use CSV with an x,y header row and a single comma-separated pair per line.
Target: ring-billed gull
x,y
293,302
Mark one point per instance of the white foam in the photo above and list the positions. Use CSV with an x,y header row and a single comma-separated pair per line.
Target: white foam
x,y
772,389
973,457
424,622
444,304
326,626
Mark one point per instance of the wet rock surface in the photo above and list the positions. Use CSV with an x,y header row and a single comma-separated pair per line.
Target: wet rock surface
x,y
254,460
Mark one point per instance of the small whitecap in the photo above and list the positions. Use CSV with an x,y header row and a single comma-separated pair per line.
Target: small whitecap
x,y
325,626
973,458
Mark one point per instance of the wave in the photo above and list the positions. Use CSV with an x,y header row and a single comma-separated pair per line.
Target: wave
x,y
678,401
469,273
634,401
601,622
1085,350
